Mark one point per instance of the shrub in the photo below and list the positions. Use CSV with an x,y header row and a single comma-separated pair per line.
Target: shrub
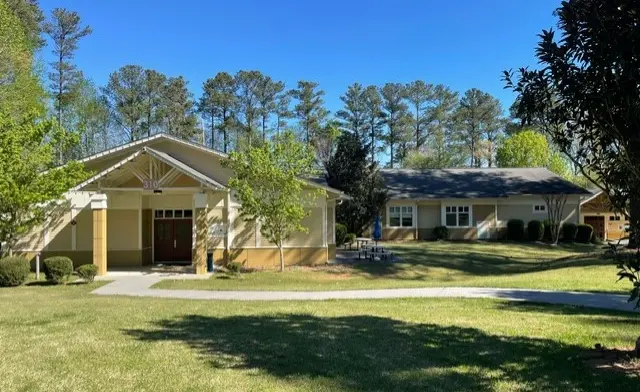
x,y
14,271
441,233
535,230
596,240
515,229
341,234
234,267
569,231
87,272
58,269
350,238
584,233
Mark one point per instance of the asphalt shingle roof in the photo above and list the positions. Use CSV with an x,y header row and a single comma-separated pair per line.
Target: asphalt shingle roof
x,y
475,183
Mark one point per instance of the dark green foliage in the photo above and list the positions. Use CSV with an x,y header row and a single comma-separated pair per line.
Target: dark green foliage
x,y
87,272
628,264
584,233
348,170
234,267
341,234
440,233
535,230
14,271
569,232
547,230
351,238
57,269
515,230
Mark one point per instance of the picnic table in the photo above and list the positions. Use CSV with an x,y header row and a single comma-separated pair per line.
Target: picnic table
x,y
362,242
372,251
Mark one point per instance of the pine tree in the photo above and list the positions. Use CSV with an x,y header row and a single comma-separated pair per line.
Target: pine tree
x,y
375,119
397,118
217,105
309,109
419,95
352,117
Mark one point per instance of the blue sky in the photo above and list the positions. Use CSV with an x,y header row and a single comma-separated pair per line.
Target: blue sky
x,y
463,43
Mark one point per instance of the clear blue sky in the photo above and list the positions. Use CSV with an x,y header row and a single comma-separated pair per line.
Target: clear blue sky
x,y
463,43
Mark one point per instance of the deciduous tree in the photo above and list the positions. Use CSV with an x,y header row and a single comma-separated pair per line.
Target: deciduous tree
x,y
269,182
28,193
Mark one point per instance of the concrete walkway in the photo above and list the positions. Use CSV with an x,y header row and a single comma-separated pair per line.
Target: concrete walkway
x,y
140,286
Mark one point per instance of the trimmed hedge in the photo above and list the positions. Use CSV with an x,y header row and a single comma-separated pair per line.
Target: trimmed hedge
x,y
535,230
569,232
515,229
440,233
58,269
14,271
341,234
584,233
87,272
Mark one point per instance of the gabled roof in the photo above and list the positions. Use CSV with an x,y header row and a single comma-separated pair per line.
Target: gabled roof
x,y
146,140
475,183
161,156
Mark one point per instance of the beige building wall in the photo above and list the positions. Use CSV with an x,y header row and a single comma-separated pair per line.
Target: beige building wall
x,y
428,218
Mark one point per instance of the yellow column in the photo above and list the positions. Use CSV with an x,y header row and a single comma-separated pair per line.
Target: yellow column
x,y
99,207
200,248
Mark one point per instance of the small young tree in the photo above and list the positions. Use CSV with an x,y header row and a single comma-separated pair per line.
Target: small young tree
x,y
269,183
555,209
28,193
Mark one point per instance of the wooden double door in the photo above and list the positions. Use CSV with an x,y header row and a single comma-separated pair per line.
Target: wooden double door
x,y
598,225
173,240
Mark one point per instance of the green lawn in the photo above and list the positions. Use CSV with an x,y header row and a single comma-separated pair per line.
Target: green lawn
x,y
433,264
65,339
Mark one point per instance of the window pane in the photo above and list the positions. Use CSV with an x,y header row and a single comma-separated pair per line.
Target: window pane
x,y
168,213
407,220
410,210
394,221
159,214
188,213
451,220
463,209
404,210
463,219
178,214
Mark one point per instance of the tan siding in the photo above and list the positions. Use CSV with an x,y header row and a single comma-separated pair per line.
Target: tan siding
x,y
525,212
216,216
460,234
60,232
428,216
244,233
330,225
122,230
202,161
313,238
34,240
169,201
398,234
483,213
84,230
184,181
123,200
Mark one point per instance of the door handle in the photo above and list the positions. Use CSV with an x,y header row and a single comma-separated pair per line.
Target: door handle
x,y
174,243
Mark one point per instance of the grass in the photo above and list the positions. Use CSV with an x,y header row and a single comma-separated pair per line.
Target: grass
x,y
439,264
65,339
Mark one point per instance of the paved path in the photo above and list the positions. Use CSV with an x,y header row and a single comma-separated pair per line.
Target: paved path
x,y
139,286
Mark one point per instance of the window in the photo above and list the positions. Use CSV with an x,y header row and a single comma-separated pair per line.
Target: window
x,y
170,214
614,218
539,209
457,216
401,216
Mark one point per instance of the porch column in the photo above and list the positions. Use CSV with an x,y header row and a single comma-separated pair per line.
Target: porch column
x,y
200,248
99,207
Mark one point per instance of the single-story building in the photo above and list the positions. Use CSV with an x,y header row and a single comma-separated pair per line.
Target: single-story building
x,y
597,211
472,203
165,200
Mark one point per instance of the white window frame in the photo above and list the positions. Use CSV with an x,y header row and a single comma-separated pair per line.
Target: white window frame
x,y
542,208
457,206
413,213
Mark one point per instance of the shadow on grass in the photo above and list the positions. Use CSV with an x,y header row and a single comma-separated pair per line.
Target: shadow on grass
x,y
479,261
608,317
367,353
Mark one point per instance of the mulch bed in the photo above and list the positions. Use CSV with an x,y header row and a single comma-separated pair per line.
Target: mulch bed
x,y
612,359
